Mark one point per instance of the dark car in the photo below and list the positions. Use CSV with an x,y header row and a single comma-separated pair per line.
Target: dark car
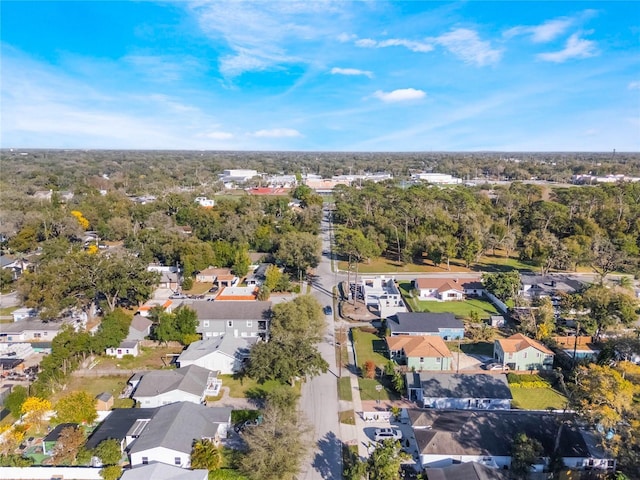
x,y
328,310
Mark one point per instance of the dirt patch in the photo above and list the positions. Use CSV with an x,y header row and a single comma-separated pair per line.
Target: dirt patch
x,y
358,312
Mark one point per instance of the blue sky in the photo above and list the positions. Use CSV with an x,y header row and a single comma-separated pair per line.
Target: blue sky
x,y
321,75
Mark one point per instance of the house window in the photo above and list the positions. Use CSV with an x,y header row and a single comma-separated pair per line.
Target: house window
x,y
37,335
205,324
45,333
249,323
230,323
145,460
421,359
119,351
524,354
177,461
438,359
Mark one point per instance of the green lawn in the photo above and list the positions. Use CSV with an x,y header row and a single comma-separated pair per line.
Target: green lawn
x,y
369,347
368,390
537,399
462,308
97,385
7,311
344,389
242,387
478,348
149,358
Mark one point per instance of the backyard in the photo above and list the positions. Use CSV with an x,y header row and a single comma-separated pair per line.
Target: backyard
x,y
369,346
96,385
538,399
149,358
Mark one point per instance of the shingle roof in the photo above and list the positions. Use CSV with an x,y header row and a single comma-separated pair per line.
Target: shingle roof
x,y
54,434
140,323
241,310
163,471
519,342
491,433
104,396
423,322
466,471
177,425
227,344
191,379
30,324
430,346
457,385
117,424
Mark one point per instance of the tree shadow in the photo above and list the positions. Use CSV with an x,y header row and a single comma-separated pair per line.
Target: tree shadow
x,y
330,449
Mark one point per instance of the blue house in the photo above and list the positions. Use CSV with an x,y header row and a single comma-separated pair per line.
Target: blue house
x,y
444,325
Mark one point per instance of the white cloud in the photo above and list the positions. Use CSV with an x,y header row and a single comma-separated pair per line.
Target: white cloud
x,y
543,33
350,71
575,47
412,45
634,86
366,43
218,135
400,95
277,133
466,45
346,37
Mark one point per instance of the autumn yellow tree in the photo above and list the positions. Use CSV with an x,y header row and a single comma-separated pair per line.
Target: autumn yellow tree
x,y
35,411
10,438
84,223
77,407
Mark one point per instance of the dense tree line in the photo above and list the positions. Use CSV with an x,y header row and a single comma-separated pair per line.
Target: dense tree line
x,y
563,229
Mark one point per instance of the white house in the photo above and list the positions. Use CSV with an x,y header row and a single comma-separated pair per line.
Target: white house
x,y
163,471
126,347
447,289
29,330
459,391
445,437
382,293
188,384
169,435
226,354
205,202
23,314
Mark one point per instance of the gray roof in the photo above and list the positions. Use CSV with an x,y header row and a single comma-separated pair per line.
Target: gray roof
x,y
457,385
227,344
30,324
128,344
177,425
163,471
117,424
553,283
230,310
491,433
422,322
54,434
104,396
140,323
191,379
466,471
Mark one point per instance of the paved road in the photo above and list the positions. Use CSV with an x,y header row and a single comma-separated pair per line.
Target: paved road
x,y
319,402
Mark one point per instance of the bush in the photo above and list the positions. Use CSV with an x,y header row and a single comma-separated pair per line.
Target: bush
x,y
527,381
187,283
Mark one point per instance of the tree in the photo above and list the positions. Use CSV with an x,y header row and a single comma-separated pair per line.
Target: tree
x,y
275,448
113,329
605,257
272,277
35,411
524,453
112,472
384,462
205,454
607,307
68,445
504,285
15,399
241,262
179,326
300,319
77,407
299,251
109,452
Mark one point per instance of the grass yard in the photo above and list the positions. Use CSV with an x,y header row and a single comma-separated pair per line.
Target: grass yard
x,y
97,385
344,389
245,387
149,358
4,311
199,288
369,347
347,417
537,399
460,309
477,348
368,390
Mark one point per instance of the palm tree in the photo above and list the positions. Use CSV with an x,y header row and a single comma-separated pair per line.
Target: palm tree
x,y
205,454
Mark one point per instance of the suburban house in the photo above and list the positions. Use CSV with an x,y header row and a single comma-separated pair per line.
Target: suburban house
x,y
236,319
466,471
163,434
16,266
140,328
145,310
23,313
50,440
163,471
226,354
237,294
383,294
519,352
104,402
222,277
188,384
444,325
578,348
445,437
420,352
169,435
258,276
126,347
536,286
28,330
458,391
448,289
169,275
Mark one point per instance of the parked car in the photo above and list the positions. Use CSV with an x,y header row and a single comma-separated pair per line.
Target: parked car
x,y
495,366
328,310
178,296
387,434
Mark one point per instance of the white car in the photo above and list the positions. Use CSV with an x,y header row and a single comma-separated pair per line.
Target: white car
x,y
387,434
496,366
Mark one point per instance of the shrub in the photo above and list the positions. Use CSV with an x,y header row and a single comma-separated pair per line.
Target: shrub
x,y
527,381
